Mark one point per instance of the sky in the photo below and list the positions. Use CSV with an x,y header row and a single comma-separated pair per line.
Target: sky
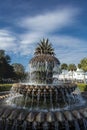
x,y
23,23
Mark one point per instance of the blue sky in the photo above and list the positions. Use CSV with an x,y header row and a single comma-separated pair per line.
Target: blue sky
x,y
23,23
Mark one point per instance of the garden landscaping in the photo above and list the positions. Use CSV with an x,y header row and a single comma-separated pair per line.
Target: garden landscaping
x,y
5,87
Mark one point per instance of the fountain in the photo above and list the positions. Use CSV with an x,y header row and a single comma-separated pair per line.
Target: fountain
x,y
43,104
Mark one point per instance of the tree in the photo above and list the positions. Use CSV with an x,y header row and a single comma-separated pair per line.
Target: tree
x,y
83,63
19,70
72,67
79,66
6,70
4,56
64,67
44,47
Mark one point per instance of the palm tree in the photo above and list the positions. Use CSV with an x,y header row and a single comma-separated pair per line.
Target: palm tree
x,y
64,67
44,47
72,68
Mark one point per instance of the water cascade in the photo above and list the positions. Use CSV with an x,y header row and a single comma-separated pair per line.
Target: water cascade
x,y
43,104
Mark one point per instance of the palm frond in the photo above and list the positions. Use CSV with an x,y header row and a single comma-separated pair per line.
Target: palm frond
x,y
44,47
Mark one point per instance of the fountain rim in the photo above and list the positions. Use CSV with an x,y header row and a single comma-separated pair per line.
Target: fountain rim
x,y
36,84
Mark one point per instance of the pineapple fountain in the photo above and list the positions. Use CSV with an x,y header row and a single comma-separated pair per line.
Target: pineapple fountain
x,y
43,104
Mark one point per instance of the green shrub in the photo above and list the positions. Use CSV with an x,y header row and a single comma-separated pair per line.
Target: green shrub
x,y
82,87
5,87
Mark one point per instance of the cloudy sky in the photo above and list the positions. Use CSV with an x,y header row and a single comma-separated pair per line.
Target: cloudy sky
x,y
23,23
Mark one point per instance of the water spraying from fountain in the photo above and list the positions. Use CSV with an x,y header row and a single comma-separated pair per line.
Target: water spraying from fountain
x,y
42,104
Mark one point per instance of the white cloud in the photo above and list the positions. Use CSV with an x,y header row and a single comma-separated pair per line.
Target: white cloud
x,y
67,41
50,21
42,25
8,41
68,49
30,37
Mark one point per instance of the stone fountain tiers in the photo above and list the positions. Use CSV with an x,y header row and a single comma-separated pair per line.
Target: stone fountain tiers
x,y
23,88
43,105
17,119
46,97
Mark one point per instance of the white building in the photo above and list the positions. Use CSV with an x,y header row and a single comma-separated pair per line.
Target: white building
x,y
79,74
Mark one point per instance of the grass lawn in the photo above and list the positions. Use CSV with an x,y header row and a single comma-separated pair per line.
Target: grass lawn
x,y
5,87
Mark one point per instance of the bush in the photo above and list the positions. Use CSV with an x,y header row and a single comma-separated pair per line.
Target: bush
x,y
82,87
5,87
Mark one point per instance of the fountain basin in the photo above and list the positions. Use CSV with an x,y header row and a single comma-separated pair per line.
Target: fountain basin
x,y
16,118
50,96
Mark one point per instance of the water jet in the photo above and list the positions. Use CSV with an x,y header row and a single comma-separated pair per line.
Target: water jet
x,y
43,104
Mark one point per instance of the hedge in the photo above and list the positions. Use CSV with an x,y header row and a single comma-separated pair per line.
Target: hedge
x,y
5,87
82,87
